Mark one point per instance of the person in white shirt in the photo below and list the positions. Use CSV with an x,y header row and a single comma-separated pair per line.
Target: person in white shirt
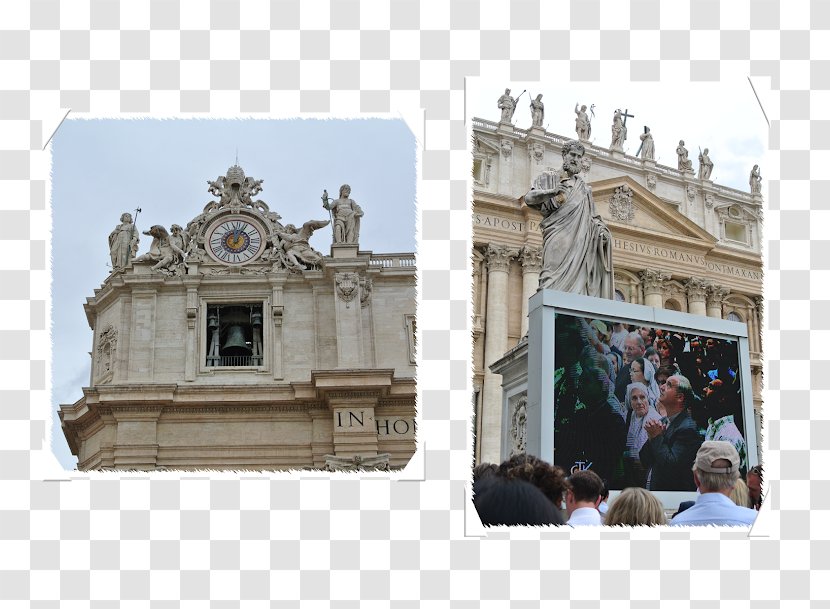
x,y
716,470
582,499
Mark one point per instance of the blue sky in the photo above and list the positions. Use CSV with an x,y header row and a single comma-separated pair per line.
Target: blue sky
x,y
102,168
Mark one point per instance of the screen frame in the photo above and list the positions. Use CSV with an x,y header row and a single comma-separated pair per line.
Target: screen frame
x,y
543,307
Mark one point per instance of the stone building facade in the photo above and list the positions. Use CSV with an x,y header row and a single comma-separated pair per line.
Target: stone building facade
x,y
247,349
679,242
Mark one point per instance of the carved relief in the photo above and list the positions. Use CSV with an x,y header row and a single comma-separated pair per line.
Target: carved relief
x,y
105,357
586,165
365,291
715,295
531,259
709,200
347,285
537,152
357,463
506,148
622,204
691,193
518,427
651,181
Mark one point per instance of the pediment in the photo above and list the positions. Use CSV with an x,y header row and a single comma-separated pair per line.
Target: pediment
x,y
485,145
646,214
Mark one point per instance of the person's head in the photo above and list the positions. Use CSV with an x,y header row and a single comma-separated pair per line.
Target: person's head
x,y
175,229
539,97
638,366
663,373
676,394
647,334
705,151
584,490
482,471
572,153
594,385
550,479
633,347
126,217
507,91
603,333
716,467
511,501
663,349
636,398
754,477
345,191
635,506
682,143
653,357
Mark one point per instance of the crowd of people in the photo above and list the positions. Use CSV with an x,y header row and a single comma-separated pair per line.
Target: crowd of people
x,y
634,404
525,490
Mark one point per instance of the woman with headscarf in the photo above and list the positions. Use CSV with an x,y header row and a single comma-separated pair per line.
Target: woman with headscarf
x,y
642,371
637,402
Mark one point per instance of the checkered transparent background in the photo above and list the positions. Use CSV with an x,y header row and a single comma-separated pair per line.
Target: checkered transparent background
x,y
75,540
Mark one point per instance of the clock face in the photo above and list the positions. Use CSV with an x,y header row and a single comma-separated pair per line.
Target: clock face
x,y
235,240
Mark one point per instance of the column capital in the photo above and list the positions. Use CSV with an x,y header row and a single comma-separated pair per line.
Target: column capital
x,y
499,257
653,280
531,258
696,288
715,295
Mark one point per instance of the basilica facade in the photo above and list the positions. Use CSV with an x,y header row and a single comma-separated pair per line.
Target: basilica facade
x,y
679,241
233,344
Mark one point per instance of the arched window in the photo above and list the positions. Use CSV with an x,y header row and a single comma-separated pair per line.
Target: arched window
x,y
732,316
619,296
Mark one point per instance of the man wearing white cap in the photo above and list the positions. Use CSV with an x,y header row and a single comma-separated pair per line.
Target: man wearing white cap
x,y
715,472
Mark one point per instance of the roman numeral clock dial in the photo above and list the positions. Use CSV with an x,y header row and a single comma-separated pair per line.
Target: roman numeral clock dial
x,y
235,240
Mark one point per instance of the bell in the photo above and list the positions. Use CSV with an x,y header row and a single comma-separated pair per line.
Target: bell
x,y
235,342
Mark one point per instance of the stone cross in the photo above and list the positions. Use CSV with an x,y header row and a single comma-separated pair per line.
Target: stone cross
x,y
626,115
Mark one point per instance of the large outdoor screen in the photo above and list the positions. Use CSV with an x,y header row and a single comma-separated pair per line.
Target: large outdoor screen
x,y
610,379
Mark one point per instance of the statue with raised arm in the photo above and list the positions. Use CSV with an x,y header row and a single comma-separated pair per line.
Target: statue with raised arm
x,y
706,165
123,242
583,123
537,111
507,105
347,214
755,180
683,162
576,243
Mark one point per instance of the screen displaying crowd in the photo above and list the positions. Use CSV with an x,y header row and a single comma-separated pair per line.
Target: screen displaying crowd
x,y
634,404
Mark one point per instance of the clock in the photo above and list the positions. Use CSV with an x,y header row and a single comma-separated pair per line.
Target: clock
x,y
235,240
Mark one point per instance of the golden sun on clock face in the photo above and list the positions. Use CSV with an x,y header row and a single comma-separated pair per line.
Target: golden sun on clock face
x,y
235,240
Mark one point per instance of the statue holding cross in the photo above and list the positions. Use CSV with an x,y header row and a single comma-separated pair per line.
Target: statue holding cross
x,y
618,129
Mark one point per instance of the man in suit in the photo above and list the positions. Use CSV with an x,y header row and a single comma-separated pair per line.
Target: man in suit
x,y
633,348
673,442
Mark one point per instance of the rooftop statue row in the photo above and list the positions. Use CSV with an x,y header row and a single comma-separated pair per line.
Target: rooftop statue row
x,y
285,247
619,134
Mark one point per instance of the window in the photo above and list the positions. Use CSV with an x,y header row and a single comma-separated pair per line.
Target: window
x,y
735,232
619,296
734,317
234,335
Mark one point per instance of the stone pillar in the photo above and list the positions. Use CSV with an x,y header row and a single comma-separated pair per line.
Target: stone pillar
x,y
348,319
714,301
354,431
696,289
652,281
506,164
531,259
191,348
495,344
759,326
277,310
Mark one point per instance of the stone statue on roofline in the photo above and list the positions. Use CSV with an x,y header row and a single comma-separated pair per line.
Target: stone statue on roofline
x,y
507,105
647,146
123,242
583,123
537,111
755,180
683,162
576,246
346,214
706,165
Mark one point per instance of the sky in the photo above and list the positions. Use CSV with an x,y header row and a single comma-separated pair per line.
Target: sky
x,y
103,168
726,118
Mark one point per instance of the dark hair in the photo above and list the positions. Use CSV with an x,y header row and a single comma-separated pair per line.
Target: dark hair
x,y
483,471
550,479
585,485
510,501
665,370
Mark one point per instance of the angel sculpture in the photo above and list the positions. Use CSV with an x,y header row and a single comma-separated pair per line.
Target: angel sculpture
x,y
299,255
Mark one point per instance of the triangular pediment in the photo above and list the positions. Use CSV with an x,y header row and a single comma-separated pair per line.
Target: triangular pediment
x,y
485,145
628,207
